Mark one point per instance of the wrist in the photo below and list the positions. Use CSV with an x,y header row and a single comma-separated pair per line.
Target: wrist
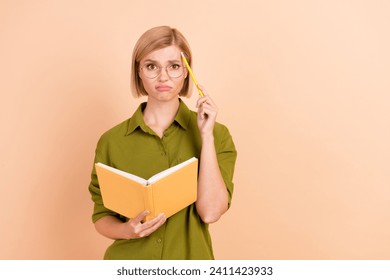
x,y
207,137
124,232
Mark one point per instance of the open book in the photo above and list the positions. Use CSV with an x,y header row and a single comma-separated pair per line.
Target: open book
x,y
167,192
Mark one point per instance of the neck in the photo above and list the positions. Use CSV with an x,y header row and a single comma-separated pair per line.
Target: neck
x,y
158,115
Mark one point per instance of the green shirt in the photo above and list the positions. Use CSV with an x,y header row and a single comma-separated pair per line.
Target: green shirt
x,y
133,147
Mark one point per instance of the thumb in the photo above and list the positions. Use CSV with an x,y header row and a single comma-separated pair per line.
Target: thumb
x,y
141,216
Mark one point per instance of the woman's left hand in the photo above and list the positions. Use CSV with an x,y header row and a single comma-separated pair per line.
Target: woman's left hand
x,y
207,114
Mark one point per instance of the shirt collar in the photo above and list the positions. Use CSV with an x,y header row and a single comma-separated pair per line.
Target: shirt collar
x,y
137,120
183,115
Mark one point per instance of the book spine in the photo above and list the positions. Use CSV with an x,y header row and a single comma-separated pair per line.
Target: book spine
x,y
149,202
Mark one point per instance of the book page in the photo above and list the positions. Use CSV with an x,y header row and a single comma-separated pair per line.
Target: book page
x,y
177,191
124,174
169,171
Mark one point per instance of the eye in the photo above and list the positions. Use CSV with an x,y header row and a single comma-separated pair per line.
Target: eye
x,y
151,67
175,66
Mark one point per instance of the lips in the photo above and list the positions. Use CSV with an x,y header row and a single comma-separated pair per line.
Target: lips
x,y
163,87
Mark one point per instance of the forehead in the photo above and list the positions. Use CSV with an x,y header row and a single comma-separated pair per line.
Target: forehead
x,y
171,53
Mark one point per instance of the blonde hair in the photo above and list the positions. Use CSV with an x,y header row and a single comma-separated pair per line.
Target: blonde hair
x,y
152,40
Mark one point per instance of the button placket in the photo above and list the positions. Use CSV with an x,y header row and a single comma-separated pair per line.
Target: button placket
x,y
163,148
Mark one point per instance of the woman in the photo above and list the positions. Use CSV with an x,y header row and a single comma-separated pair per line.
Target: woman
x,y
161,133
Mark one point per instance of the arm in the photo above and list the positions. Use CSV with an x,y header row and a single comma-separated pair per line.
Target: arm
x,y
112,227
213,197
106,221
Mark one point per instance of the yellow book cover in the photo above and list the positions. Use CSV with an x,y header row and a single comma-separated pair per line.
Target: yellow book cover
x,y
166,192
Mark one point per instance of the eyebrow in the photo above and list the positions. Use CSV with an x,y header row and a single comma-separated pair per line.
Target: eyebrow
x,y
155,61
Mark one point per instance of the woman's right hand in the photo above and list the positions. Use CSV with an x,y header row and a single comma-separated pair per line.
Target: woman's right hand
x,y
135,228
112,227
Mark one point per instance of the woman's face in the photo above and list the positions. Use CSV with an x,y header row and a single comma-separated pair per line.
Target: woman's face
x,y
162,73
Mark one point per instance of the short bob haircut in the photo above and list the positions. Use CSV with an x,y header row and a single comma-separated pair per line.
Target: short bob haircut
x,y
154,39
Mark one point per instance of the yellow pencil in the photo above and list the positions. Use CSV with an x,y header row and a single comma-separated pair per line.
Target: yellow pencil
x,y
191,74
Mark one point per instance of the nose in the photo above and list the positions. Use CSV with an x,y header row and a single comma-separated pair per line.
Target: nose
x,y
163,75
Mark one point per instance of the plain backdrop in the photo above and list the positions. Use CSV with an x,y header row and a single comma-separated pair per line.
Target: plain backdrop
x,y
302,85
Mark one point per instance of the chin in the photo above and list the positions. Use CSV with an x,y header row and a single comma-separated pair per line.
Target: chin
x,y
164,98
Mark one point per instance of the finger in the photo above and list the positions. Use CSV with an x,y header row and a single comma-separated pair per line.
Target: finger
x,y
205,100
202,100
140,217
208,106
202,89
152,227
153,221
210,101
207,109
207,114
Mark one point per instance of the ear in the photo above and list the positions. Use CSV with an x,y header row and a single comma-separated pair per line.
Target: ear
x,y
140,75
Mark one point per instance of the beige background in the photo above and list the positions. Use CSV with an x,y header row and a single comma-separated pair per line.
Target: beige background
x,y
302,85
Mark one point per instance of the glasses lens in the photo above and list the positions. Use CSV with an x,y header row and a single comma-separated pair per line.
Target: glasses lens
x,y
151,71
175,70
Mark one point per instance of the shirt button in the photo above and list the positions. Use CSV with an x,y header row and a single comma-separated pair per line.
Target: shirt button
x,y
159,240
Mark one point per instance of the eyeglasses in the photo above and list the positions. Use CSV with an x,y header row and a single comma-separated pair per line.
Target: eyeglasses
x,y
151,70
